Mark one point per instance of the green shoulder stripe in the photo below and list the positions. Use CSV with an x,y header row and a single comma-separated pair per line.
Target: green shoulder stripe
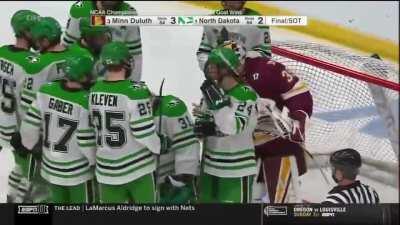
x,y
19,57
77,49
55,89
133,90
171,106
81,9
243,92
37,63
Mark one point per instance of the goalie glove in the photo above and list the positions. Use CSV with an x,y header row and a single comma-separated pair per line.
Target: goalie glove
x,y
214,96
290,125
272,120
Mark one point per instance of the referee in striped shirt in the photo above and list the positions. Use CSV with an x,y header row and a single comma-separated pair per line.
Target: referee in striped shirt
x,y
345,168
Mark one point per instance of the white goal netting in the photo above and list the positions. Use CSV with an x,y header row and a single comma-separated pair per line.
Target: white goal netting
x,y
355,103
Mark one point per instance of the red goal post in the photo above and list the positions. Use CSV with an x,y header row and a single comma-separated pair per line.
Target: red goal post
x,y
335,68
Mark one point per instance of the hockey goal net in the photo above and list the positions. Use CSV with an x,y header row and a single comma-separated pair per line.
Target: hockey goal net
x,y
355,104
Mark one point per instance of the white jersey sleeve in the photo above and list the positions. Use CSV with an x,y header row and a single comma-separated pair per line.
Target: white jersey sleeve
x,y
30,126
134,43
72,33
142,125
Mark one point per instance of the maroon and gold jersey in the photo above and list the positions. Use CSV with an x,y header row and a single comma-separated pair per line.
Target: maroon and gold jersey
x,y
270,79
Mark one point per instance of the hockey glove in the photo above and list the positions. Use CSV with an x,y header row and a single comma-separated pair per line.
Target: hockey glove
x,y
204,125
18,146
282,123
214,96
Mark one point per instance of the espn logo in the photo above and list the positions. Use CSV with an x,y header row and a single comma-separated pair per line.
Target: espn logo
x,y
33,209
275,211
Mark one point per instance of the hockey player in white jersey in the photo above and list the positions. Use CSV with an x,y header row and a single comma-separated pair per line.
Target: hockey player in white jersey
x,y
255,40
42,68
127,141
226,121
60,111
92,40
13,60
180,152
127,34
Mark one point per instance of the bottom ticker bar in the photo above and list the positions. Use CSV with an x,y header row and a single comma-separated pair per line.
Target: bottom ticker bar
x,y
199,214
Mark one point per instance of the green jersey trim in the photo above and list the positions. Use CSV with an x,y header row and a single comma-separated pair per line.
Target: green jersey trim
x,y
152,161
171,106
55,89
133,90
242,92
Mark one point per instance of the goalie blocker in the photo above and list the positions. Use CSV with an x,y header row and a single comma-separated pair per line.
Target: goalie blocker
x,y
285,105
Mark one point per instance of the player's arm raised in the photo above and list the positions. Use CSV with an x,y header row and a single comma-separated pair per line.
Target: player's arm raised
x,y
72,33
134,43
204,49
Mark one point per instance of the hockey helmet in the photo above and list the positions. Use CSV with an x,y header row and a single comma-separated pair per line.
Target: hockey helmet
x,y
348,157
48,28
87,30
239,49
225,57
77,68
23,20
115,53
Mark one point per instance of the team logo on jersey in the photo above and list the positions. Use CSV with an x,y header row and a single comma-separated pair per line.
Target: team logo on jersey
x,y
246,89
137,85
33,59
173,103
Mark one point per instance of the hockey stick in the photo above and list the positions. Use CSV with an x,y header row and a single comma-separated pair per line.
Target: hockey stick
x,y
318,165
156,172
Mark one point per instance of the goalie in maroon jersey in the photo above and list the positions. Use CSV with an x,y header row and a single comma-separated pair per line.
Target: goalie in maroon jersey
x,y
284,107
